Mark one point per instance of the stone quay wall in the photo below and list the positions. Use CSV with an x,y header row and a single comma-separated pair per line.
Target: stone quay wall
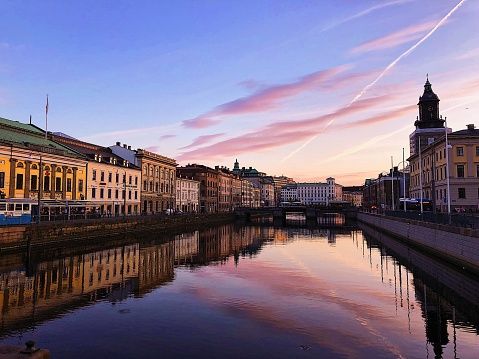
x,y
456,245
58,232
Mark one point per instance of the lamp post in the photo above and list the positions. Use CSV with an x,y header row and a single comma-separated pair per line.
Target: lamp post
x,y
403,162
392,183
447,171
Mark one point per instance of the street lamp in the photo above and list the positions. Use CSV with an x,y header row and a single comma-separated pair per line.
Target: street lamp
x,y
403,178
447,171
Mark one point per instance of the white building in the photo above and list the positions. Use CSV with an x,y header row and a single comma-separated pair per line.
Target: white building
x,y
317,193
187,194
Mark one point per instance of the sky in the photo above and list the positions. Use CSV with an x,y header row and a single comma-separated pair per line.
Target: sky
x,y
306,89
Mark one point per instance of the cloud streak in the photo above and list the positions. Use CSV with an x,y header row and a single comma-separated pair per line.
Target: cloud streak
x,y
265,99
394,39
201,140
280,133
364,13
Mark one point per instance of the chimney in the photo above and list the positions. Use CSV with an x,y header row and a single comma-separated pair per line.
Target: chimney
x,y
118,143
471,127
124,145
129,147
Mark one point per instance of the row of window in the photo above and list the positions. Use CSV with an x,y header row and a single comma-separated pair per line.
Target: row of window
x,y
58,183
163,174
109,193
110,177
158,187
441,194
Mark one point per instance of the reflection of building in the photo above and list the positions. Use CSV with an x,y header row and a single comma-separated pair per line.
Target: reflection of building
x,y
156,266
186,247
58,282
23,150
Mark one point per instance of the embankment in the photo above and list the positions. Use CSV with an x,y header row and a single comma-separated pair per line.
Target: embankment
x,y
459,246
83,231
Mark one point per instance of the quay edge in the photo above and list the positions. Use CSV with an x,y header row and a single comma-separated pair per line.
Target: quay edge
x,y
459,246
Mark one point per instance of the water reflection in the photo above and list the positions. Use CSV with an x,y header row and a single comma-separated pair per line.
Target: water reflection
x,y
264,290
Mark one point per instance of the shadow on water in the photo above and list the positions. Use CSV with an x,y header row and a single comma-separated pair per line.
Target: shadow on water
x,y
447,294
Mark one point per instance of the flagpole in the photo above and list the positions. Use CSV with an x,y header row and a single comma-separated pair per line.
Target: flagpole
x,y
46,119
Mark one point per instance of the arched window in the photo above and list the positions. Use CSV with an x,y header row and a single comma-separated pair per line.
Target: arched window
x,y
20,165
58,169
34,167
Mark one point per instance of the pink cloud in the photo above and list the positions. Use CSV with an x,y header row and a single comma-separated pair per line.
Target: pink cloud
x,y
165,137
279,133
394,39
265,99
201,140
200,122
383,117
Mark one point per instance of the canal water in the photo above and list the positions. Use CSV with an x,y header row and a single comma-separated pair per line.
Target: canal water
x,y
234,291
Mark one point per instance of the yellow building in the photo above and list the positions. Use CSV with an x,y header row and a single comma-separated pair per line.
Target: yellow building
x,y
31,164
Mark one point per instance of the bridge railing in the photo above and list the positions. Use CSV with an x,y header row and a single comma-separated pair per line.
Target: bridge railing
x,y
463,220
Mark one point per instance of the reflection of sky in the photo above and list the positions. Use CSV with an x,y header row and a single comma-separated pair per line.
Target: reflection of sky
x,y
305,291
257,83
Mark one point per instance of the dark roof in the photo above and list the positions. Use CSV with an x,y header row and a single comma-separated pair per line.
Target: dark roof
x,y
14,133
90,150
466,132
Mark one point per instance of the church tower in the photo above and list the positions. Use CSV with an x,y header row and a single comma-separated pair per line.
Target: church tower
x,y
429,109
429,124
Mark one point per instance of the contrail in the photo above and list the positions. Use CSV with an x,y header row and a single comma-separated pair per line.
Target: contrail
x,y
385,71
364,13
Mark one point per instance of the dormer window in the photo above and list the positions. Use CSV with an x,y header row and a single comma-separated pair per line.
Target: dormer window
x,y
114,161
96,157
99,158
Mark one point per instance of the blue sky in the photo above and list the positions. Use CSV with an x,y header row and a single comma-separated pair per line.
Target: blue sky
x,y
247,74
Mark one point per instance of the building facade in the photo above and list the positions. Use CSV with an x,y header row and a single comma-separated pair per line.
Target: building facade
x,y
208,178
187,194
463,171
317,193
113,183
353,195
158,178
32,165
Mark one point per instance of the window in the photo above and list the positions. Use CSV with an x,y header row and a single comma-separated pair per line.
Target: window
x,y
109,176
477,150
136,194
80,185
93,175
460,151
144,186
58,184
102,192
129,179
117,178
109,192
102,176
124,178
33,182
460,171
461,193
69,184
19,182
93,193
129,194
136,180
2,179
46,183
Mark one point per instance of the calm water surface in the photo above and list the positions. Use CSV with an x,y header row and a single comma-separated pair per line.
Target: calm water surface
x,y
242,292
